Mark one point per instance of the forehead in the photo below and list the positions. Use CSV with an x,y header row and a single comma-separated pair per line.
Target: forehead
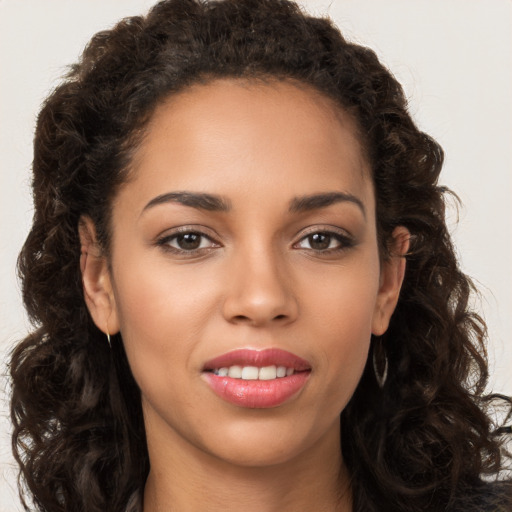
x,y
232,133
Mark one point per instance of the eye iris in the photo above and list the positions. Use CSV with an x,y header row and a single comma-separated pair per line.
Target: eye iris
x,y
319,241
189,241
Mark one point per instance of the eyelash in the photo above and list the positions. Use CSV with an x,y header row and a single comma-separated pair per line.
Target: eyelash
x,y
343,241
165,242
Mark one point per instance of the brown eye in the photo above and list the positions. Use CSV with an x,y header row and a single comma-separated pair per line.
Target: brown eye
x,y
188,241
319,241
325,241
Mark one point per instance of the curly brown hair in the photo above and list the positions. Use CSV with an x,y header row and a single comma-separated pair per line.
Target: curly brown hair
x,y
424,441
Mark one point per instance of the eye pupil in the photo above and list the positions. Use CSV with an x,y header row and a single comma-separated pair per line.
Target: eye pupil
x,y
188,241
319,241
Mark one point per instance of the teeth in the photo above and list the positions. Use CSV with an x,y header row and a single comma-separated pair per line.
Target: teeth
x,y
235,372
250,373
267,373
254,373
281,371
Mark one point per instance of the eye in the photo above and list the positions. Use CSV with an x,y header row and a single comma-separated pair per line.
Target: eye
x,y
321,241
187,242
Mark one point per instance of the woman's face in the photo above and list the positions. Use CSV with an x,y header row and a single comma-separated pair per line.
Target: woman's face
x,y
246,239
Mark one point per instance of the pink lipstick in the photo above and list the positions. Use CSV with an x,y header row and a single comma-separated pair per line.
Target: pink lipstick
x,y
257,378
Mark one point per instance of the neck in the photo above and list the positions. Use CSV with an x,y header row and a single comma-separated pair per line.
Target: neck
x,y
314,480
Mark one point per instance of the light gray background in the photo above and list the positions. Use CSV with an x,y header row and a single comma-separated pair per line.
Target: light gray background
x,y
452,56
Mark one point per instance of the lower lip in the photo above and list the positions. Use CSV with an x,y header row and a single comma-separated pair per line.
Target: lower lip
x,y
257,394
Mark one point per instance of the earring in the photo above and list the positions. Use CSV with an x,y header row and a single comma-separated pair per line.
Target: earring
x,y
108,339
380,376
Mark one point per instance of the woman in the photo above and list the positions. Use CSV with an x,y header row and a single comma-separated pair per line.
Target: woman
x,y
246,292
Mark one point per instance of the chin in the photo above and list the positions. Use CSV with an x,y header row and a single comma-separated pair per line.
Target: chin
x,y
262,444
256,456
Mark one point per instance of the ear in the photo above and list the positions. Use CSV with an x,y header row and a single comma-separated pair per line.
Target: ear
x,y
391,277
97,284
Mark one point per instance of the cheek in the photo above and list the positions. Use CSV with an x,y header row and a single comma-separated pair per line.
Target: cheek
x,y
161,313
347,331
343,317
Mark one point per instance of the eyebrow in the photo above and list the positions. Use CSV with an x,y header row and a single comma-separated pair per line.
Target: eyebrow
x,y
199,200
323,200
215,203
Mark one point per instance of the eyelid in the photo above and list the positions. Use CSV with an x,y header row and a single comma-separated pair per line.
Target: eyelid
x,y
323,228
188,228
346,239
166,236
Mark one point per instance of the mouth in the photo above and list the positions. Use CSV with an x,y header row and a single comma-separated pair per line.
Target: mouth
x,y
257,378
253,372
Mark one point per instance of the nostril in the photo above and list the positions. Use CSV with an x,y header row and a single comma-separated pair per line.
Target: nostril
x,y
241,318
247,319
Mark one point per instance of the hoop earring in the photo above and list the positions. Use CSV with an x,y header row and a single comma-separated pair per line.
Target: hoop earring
x,y
108,339
380,376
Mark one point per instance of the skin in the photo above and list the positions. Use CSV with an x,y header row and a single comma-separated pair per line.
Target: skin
x,y
257,281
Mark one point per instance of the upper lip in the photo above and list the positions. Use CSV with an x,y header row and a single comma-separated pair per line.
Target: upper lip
x,y
259,358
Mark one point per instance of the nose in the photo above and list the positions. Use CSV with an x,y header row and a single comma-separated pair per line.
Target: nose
x,y
259,291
